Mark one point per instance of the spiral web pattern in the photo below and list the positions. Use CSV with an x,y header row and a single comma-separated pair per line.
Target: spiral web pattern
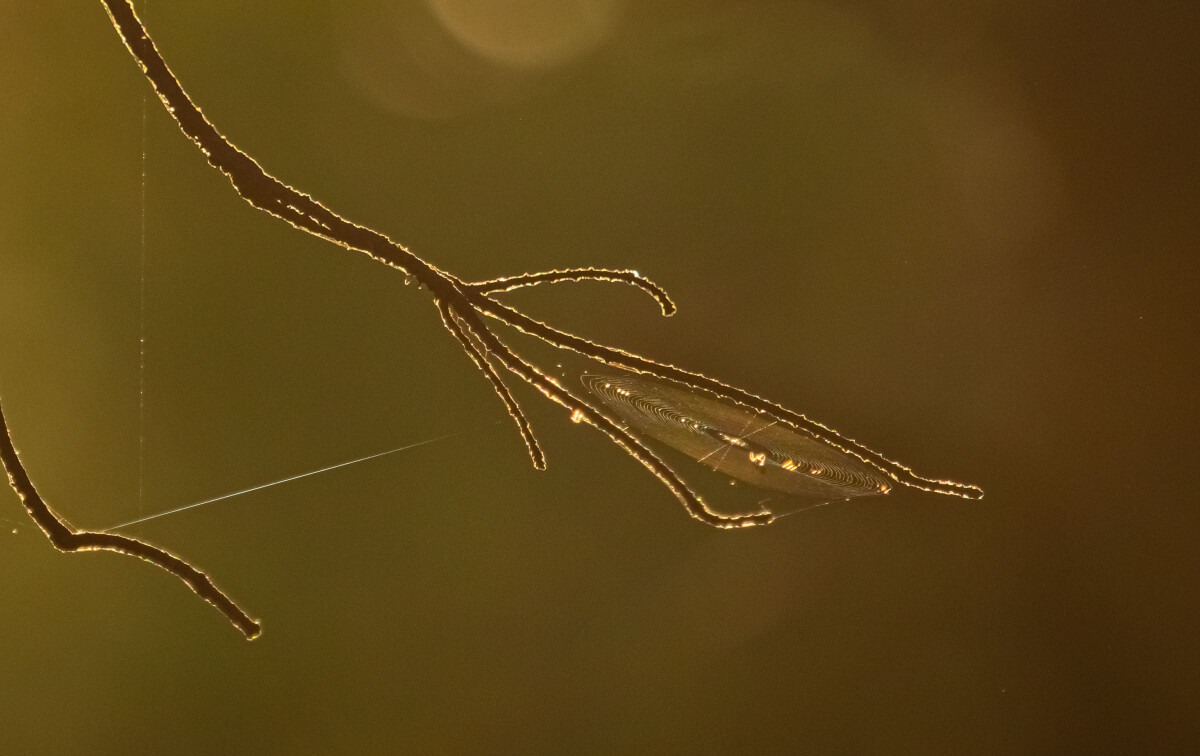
x,y
736,441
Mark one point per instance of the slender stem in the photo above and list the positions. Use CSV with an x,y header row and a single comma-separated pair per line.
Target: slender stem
x,y
256,186
630,361
630,277
479,357
462,306
68,539
585,411
269,194
465,300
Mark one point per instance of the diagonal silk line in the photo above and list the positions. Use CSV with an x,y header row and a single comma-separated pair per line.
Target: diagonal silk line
x,y
278,482
805,508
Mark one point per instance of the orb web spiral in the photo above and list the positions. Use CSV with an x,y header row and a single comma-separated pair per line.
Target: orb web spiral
x,y
747,445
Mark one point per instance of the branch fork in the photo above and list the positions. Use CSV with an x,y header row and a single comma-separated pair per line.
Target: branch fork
x,y
465,309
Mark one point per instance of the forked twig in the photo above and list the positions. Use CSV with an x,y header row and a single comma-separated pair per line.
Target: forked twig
x,y
479,357
459,302
68,539
462,306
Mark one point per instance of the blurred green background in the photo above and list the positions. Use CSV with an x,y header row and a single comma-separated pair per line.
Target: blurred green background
x,y
963,233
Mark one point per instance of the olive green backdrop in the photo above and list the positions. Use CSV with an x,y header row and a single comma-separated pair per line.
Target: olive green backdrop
x,y
962,233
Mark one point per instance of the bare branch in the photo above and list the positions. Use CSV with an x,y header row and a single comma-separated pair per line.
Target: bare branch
x,y
464,300
637,363
68,539
480,359
584,411
256,186
630,277
462,306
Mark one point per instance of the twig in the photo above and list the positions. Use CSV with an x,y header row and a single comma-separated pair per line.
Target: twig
x,y
450,293
461,303
67,539
631,277
462,306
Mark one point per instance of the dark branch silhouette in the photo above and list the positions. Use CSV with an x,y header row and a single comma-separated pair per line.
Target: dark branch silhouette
x,y
68,539
478,355
462,306
631,277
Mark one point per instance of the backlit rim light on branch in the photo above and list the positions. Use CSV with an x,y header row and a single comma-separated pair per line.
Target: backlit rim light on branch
x,y
462,307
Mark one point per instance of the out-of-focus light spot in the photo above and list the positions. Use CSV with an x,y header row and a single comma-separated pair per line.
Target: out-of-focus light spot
x,y
527,33
447,58
401,59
